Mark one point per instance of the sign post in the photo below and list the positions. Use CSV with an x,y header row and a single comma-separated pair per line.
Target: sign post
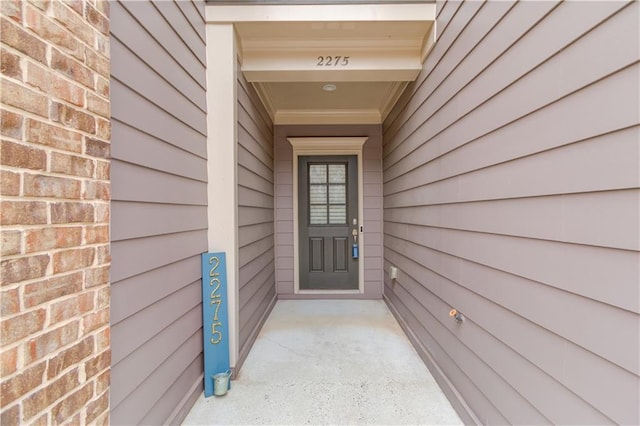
x,y
215,327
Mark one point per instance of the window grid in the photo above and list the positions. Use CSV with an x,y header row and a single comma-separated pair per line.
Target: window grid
x,y
327,194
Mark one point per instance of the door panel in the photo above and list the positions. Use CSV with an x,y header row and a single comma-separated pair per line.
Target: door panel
x,y
328,207
316,255
340,253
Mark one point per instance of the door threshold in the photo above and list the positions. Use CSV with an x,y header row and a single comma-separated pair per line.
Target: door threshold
x,y
328,292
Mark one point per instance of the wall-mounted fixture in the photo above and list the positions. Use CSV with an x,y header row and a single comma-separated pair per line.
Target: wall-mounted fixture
x,y
456,315
393,273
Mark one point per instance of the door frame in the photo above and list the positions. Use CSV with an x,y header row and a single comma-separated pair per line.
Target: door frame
x,y
328,146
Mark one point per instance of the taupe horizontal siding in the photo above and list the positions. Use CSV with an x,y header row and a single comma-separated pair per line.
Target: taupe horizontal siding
x,y
159,208
511,193
256,255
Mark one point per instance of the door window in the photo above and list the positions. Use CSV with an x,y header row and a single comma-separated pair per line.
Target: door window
x,y
327,194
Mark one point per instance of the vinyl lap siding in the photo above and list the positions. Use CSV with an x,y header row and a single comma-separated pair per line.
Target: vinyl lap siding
x,y
159,209
511,193
256,277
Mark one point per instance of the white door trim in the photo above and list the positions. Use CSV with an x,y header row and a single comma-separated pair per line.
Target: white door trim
x,y
327,146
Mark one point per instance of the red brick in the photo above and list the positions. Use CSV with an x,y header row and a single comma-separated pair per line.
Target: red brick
x,y
9,361
50,186
23,213
103,339
53,288
98,148
103,420
73,69
22,156
72,403
72,165
9,183
54,85
97,276
43,420
104,129
72,421
9,302
11,124
97,407
22,383
69,357
12,9
97,191
72,307
53,33
103,6
98,364
103,381
96,320
102,213
81,63
49,238
24,268
73,22
21,326
10,416
38,401
102,86
103,170
67,91
53,136
47,343
102,44
97,234
11,242
21,40
76,5
99,64
98,105
41,4
39,77
98,20
10,64
71,212
103,255
73,259
23,98
73,117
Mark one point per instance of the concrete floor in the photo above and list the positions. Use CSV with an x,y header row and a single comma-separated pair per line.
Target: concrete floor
x,y
329,362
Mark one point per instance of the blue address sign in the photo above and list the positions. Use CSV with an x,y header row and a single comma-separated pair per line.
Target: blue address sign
x,y
215,328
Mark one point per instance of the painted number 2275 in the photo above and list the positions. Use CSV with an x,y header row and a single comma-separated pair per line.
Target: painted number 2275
x,y
332,61
215,298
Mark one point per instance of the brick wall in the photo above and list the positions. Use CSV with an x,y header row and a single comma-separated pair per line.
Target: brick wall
x,y
54,169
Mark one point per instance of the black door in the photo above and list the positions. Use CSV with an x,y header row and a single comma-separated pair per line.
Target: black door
x,y
328,217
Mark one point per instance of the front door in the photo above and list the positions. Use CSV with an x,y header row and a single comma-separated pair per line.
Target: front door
x,y
328,220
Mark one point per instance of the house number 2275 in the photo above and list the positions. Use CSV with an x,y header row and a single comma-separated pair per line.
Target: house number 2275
x,y
332,61
215,298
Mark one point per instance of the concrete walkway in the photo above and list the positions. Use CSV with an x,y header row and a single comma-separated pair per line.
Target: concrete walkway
x,y
332,362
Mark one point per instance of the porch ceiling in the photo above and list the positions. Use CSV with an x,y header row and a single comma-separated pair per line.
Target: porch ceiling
x,y
367,52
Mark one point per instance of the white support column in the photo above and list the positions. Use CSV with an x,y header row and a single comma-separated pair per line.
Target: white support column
x,y
222,162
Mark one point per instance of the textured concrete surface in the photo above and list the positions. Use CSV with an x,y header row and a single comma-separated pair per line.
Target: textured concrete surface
x,y
329,362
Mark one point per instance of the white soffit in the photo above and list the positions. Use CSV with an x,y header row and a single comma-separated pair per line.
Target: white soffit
x,y
326,12
369,51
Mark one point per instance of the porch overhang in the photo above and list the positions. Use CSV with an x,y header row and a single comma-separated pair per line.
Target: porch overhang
x,y
369,52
